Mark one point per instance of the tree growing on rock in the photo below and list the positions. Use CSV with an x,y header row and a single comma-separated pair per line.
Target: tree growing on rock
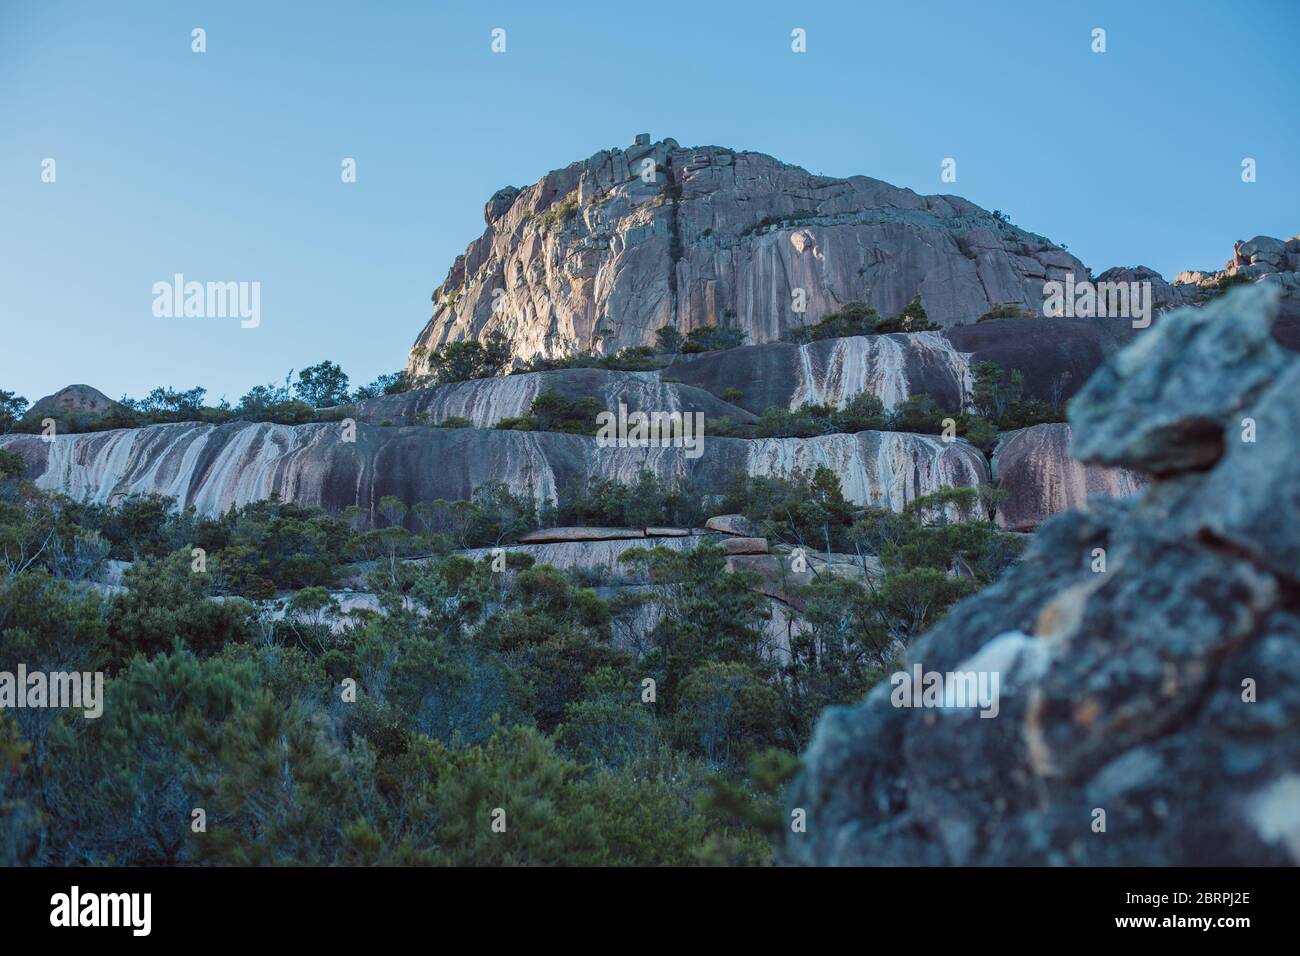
x,y
322,386
12,408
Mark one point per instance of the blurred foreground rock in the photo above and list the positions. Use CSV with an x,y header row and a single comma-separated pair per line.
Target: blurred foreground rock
x,y
1147,652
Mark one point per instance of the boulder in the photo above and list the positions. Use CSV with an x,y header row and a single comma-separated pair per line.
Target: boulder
x,y
1263,248
1147,653
501,201
744,545
730,524
1162,405
667,532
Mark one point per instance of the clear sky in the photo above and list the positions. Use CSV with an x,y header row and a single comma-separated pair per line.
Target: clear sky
x,y
226,165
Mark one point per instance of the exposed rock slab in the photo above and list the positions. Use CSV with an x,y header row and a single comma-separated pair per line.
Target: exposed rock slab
x,y
216,467
892,367
486,401
597,558
730,524
732,546
551,535
1034,467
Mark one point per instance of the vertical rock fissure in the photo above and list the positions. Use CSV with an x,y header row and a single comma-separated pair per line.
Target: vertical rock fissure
x,y
676,249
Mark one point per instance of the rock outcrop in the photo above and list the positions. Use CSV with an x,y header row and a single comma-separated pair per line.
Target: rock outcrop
x,y
215,467
1054,356
484,402
737,525
737,546
73,408
1148,651
603,252
1040,478
1171,422
582,534
600,254
892,367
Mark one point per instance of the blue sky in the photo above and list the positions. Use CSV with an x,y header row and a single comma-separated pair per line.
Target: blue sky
x,y
225,165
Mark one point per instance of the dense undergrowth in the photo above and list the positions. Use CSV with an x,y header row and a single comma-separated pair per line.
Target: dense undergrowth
x,y
477,692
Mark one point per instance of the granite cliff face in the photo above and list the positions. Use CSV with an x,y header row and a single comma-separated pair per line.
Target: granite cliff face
x,y
1041,478
603,252
213,467
486,401
1055,356
1148,704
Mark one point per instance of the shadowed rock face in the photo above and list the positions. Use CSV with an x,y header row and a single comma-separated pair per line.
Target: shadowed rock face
x,y
73,408
832,371
73,400
1138,689
884,469
595,256
1035,468
486,401
215,467
1055,356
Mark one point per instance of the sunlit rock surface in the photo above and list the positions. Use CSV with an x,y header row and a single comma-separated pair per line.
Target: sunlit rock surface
x,y
596,256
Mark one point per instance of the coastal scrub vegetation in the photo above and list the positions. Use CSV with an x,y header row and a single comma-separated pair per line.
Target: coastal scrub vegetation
x,y
311,733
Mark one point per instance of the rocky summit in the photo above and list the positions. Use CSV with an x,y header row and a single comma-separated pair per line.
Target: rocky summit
x,y
1148,650
600,254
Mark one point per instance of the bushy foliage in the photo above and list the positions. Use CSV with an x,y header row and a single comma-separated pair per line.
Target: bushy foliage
x,y
648,501
552,412
12,408
1005,310
482,712
465,360
632,358
857,318
712,338
322,385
